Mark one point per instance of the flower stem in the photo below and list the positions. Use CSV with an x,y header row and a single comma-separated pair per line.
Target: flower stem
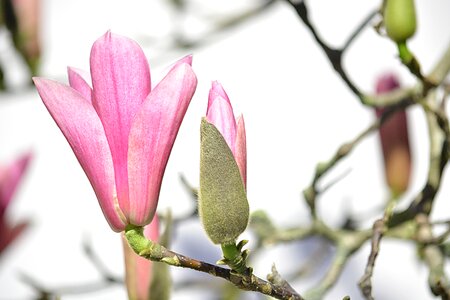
x,y
235,258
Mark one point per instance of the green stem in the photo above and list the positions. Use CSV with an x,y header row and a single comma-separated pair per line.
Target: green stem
x,y
234,258
404,53
409,60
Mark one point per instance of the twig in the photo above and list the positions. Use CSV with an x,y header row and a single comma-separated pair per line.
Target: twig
x,y
439,154
311,192
178,39
379,228
155,252
193,192
277,280
333,55
434,259
78,289
358,29
340,258
315,260
436,77
83,288
99,265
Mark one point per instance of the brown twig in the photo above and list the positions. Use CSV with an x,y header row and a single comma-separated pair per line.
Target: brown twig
x,y
379,228
249,282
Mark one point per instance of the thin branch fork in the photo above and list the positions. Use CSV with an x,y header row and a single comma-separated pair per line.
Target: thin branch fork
x,y
333,55
311,192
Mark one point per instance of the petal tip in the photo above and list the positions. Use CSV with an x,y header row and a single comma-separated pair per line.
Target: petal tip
x,y
187,59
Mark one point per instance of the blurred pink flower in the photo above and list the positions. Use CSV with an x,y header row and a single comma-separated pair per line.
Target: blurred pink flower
x,y
121,130
138,270
10,177
394,140
220,114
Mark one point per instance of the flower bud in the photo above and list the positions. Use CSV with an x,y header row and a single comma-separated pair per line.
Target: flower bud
x,y
400,19
223,205
394,141
10,178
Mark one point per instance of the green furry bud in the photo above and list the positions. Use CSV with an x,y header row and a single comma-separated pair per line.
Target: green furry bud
x,y
223,205
400,19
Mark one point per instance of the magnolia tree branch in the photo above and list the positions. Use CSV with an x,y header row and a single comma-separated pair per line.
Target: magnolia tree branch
x,y
415,93
439,139
346,242
433,257
107,279
337,265
439,154
311,192
333,55
379,228
155,252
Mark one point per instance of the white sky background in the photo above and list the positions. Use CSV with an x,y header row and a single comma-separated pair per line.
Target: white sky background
x,y
297,113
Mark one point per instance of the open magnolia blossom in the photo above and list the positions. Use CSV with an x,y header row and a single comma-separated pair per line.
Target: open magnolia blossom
x,y
120,129
10,177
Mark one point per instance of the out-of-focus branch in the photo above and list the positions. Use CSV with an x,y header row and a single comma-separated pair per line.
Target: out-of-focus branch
x,y
333,55
99,265
107,280
311,192
46,293
179,40
379,228
434,259
337,265
442,68
439,138
416,93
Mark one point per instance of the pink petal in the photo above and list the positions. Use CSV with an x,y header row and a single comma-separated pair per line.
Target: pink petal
x,y
8,235
79,80
185,60
241,149
80,124
121,82
387,83
151,139
9,180
220,113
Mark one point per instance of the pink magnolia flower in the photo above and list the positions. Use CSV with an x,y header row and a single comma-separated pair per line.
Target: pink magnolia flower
x,y
220,114
10,177
138,270
120,129
394,141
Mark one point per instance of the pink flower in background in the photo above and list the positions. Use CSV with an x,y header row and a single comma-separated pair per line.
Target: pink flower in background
x,y
10,177
220,114
120,129
138,270
28,39
394,141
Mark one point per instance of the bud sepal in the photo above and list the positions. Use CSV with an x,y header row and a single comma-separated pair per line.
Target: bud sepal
x,y
235,258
